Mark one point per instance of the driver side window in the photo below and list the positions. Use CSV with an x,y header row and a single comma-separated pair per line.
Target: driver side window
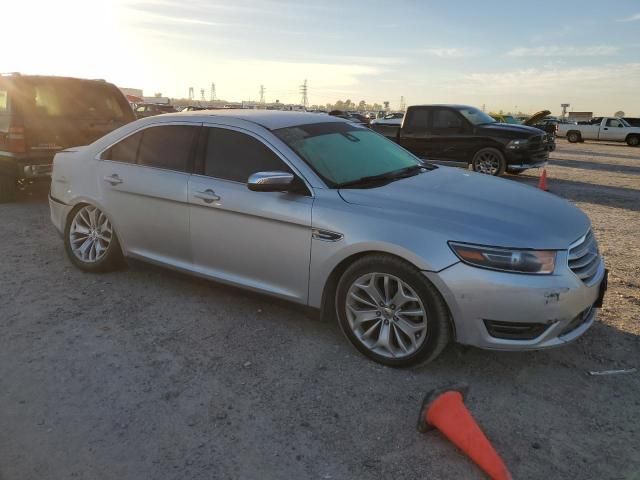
x,y
235,156
612,122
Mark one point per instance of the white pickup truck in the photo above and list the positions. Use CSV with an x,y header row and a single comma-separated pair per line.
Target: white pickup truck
x,y
609,129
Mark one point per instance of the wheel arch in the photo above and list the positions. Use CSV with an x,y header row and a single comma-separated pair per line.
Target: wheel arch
x,y
79,201
327,310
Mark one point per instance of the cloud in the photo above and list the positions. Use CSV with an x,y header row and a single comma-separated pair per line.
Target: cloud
x,y
555,51
632,18
448,52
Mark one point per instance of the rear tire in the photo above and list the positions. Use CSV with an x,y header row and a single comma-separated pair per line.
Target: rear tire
x,y
574,137
8,189
489,161
633,140
90,241
391,313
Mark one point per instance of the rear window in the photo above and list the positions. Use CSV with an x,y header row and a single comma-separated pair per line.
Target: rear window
x,y
74,99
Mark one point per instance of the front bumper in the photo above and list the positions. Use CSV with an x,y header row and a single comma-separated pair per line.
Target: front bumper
x,y
523,160
561,305
59,212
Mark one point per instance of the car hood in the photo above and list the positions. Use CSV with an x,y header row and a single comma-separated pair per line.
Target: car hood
x,y
536,117
469,207
508,127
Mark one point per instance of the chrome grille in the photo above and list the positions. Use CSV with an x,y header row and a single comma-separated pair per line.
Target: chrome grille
x,y
584,258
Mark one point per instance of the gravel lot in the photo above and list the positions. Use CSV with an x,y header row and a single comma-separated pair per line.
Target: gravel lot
x,y
150,374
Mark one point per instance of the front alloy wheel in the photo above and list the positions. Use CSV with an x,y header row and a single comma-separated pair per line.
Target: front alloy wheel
x,y
391,312
90,241
386,315
489,161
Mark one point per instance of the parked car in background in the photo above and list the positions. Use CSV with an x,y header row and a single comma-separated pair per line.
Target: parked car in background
x,y
326,213
41,115
388,124
466,136
350,117
193,108
633,121
503,118
610,129
361,118
150,109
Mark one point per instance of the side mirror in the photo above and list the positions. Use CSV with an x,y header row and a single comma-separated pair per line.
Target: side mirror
x,y
270,181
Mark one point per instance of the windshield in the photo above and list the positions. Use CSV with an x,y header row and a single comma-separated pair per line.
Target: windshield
x,y
343,152
475,116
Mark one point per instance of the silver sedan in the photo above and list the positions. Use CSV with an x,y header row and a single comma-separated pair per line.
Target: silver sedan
x,y
324,212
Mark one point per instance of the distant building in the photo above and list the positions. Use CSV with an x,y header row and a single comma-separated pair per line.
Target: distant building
x,y
579,116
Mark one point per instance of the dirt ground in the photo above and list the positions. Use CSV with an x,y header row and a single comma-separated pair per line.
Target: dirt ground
x,y
149,374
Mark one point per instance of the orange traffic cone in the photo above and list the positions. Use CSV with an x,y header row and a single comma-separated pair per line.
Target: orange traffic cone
x,y
444,409
542,184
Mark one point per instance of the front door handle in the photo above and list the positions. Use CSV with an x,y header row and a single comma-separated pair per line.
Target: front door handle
x,y
605,128
113,179
208,196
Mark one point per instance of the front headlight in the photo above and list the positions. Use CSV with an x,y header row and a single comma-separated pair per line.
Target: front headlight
x,y
540,262
516,144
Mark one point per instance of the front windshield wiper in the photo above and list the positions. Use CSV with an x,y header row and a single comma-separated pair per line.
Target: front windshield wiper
x,y
386,177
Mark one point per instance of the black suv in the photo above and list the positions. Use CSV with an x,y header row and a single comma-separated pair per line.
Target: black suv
x,y
41,115
463,135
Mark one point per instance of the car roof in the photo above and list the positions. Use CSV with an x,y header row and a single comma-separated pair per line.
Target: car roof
x,y
269,119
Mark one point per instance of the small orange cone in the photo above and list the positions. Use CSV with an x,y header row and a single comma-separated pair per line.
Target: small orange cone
x,y
542,184
444,409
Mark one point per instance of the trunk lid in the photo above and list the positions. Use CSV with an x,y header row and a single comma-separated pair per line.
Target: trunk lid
x,y
536,117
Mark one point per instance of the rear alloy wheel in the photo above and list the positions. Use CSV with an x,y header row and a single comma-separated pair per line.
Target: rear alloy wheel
x,y
489,161
573,137
90,241
633,140
391,313
8,189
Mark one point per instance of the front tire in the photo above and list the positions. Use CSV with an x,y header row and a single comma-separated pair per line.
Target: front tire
x,y
90,241
633,140
489,161
391,313
8,189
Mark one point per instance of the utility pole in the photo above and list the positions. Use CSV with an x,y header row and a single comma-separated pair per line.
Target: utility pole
x,y
213,92
202,94
190,93
402,105
304,90
262,90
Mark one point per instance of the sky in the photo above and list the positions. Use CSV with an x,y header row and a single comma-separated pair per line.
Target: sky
x,y
507,55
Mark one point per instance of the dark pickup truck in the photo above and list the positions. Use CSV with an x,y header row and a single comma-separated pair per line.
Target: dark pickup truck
x,y
463,135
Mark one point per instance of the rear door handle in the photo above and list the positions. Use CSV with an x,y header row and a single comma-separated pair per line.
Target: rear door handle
x,y
208,196
113,179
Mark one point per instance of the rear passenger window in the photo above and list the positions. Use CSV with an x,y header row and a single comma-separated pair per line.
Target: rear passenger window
x,y
417,119
446,120
167,147
232,155
125,150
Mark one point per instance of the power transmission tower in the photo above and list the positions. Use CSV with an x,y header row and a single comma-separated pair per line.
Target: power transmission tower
x,y
213,91
402,105
304,90
262,90
190,93
202,94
